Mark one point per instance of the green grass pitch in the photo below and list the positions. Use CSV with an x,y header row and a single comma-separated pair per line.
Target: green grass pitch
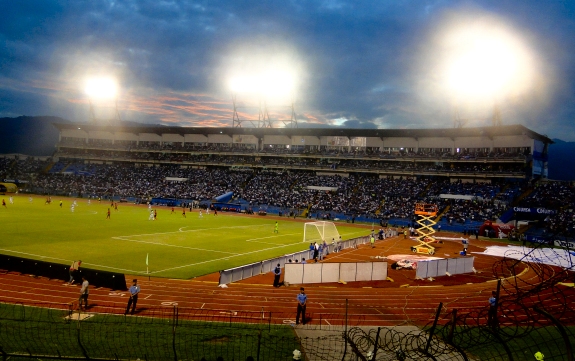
x,y
177,247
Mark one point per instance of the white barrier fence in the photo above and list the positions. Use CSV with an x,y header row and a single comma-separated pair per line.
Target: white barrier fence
x,y
334,272
254,269
444,267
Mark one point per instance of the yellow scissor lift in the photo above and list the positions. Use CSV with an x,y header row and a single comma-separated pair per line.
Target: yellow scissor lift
x,y
426,213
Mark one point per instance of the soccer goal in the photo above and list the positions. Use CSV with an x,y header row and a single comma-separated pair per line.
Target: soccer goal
x,y
319,232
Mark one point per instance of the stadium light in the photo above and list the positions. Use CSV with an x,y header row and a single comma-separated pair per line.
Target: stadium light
x,y
268,84
485,61
101,88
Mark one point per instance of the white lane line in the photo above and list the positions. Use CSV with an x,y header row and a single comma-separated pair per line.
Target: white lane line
x,y
172,245
225,258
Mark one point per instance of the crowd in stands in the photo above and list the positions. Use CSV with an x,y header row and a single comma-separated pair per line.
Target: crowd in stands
x,y
357,195
385,164
67,145
558,197
21,169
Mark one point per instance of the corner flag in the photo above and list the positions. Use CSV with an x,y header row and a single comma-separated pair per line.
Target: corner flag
x,y
146,259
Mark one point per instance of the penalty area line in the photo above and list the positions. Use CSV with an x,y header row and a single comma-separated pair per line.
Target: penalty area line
x,y
171,245
224,258
196,230
254,240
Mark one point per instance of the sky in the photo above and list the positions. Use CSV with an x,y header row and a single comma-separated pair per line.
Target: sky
x,y
354,64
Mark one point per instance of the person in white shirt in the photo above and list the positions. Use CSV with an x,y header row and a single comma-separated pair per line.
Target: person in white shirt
x,y
84,292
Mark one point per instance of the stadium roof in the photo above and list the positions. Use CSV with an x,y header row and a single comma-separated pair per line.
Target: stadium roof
x,y
490,131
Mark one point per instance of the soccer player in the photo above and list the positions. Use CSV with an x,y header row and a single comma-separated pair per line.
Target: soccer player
x,y
11,200
276,228
60,204
184,212
108,214
4,203
155,214
151,217
30,200
200,216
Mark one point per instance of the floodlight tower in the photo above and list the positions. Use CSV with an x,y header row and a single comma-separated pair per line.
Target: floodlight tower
x,y
496,120
94,120
264,120
271,86
267,122
236,120
98,90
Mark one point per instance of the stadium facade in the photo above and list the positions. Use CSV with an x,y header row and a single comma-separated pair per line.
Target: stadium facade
x,y
467,154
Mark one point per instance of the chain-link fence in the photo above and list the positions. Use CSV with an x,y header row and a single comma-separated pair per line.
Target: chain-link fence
x,y
534,312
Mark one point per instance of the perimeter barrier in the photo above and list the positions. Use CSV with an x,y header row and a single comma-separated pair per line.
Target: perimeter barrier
x,y
444,267
113,280
334,272
254,269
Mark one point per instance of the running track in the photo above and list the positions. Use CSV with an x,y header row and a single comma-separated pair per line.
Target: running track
x,y
401,302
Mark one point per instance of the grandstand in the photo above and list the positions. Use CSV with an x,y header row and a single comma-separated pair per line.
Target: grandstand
x,y
370,175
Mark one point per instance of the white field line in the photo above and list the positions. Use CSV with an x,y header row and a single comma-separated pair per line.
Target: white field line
x,y
171,245
66,260
35,255
195,230
224,258
277,235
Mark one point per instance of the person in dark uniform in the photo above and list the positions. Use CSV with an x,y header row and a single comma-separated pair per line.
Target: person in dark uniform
x,y
277,274
492,315
134,291
301,306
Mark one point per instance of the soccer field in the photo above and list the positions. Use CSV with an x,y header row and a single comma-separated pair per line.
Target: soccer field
x,y
176,246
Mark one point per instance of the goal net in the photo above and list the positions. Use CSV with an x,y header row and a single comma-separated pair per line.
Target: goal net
x,y
319,232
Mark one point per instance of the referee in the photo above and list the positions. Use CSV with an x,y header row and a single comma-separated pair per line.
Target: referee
x,y
134,291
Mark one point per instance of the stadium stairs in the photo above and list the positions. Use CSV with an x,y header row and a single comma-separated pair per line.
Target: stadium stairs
x,y
48,167
424,192
523,196
440,215
501,191
66,167
306,210
378,210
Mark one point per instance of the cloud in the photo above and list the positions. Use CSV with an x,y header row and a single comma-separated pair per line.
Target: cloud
x,y
361,63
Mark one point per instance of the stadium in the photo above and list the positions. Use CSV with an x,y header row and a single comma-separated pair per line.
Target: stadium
x,y
416,229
